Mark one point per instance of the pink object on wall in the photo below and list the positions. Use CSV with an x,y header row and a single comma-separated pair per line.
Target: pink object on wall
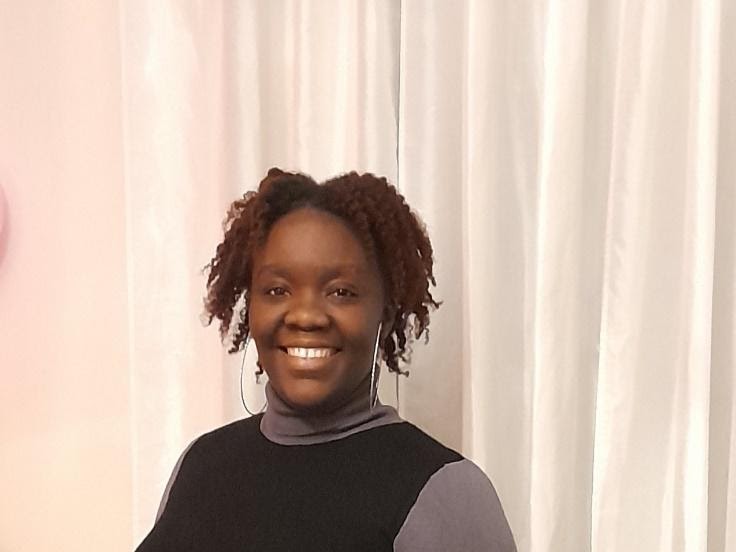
x,y
3,224
2,213
65,410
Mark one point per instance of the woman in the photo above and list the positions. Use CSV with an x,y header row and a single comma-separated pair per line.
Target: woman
x,y
333,277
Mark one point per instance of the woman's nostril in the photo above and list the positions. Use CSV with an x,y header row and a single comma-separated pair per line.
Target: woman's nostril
x,y
307,319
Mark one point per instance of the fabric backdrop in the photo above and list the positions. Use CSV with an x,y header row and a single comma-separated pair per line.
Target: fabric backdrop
x,y
574,164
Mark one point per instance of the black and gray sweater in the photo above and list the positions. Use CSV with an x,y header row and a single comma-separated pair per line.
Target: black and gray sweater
x,y
358,480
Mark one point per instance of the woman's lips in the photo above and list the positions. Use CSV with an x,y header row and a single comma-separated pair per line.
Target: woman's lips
x,y
310,352
310,359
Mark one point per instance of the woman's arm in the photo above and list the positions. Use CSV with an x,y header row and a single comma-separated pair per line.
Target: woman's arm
x,y
458,509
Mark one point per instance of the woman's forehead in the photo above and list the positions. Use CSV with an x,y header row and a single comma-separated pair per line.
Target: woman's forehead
x,y
309,239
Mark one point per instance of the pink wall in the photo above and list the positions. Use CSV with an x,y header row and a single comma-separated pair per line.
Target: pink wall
x,y
64,409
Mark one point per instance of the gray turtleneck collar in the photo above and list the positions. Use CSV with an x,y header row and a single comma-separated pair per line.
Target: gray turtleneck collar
x,y
285,426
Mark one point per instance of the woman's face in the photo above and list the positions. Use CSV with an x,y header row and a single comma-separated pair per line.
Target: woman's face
x,y
316,301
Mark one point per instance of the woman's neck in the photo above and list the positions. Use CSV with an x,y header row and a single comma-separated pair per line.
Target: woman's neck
x,y
284,425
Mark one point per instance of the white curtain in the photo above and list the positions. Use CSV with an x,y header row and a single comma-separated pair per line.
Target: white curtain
x,y
573,162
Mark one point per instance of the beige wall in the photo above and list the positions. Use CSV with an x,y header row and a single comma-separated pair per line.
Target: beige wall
x,y
64,454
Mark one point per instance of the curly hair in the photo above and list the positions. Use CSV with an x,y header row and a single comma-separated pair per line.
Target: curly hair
x,y
378,215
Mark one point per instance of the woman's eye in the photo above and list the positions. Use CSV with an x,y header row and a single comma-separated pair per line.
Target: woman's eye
x,y
276,291
343,292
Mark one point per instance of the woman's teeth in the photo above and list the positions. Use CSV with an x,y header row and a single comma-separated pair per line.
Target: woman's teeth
x,y
304,352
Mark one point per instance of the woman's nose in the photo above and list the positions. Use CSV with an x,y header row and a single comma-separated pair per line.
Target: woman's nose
x,y
306,313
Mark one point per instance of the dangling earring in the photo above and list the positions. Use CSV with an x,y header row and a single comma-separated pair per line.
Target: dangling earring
x,y
373,397
258,373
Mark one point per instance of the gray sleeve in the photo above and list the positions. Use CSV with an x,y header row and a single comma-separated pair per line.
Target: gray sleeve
x,y
172,479
458,509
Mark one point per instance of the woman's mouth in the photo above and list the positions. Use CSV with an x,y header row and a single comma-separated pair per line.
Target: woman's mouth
x,y
310,352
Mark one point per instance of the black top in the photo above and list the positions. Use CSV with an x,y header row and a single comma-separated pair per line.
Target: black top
x,y
387,487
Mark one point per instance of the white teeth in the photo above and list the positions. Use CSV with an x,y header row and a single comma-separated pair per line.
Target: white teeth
x,y
304,352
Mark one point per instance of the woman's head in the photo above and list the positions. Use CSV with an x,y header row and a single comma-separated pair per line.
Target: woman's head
x,y
319,267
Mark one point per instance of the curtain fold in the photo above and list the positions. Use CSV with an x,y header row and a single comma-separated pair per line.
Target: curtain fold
x,y
172,111
722,412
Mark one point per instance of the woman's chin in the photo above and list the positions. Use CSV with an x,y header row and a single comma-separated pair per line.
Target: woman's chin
x,y
306,397
311,397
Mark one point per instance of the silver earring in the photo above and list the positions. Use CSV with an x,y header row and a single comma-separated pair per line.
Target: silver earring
x,y
258,373
373,397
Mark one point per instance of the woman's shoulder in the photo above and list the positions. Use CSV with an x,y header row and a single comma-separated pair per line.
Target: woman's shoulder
x,y
210,450
452,472
219,445
458,504
412,442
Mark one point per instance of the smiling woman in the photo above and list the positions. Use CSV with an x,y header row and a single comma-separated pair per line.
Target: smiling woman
x,y
336,277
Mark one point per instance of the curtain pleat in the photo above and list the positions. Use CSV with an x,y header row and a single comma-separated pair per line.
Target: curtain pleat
x,y
172,110
320,92
722,411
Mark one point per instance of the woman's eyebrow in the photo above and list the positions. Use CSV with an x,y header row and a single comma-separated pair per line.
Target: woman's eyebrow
x,y
342,269
274,270
328,272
